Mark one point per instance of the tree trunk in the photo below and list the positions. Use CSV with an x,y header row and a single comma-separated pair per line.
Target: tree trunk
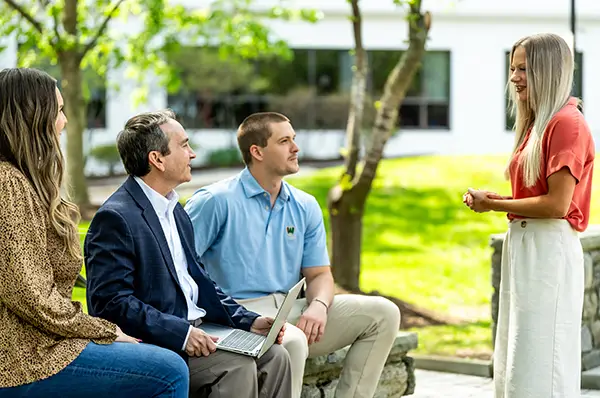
x,y
70,62
346,234
70,67
346,201
357,96
346,210
394,92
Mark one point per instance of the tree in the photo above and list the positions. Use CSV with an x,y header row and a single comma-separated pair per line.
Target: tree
x,y
75,35
346,200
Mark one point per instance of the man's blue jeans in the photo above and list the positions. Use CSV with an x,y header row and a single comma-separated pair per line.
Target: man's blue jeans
x,y
115,370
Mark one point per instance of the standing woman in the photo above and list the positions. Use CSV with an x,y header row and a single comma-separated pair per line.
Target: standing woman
x,y
48,345
538,341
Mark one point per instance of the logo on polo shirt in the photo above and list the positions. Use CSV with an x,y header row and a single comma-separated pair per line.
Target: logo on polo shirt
x,y
290,231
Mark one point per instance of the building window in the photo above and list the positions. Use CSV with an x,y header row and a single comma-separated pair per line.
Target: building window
x,y
215,92
312,88
94,87
427,102
576,92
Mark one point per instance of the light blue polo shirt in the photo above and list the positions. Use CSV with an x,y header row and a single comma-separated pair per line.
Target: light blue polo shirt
x,y
250,249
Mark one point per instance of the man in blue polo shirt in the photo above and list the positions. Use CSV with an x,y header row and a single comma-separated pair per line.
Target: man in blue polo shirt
x,y
257,235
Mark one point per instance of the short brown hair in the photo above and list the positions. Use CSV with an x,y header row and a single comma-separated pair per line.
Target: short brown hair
x,y
142,134
255,130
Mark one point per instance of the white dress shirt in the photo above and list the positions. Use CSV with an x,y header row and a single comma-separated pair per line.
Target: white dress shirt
x,y
164,208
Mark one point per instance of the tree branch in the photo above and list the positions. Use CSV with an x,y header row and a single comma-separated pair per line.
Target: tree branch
x,y
70,17
55,19
102,27
38,26
394,92
357,100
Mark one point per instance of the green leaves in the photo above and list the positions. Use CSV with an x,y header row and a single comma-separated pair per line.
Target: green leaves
x,y
235,27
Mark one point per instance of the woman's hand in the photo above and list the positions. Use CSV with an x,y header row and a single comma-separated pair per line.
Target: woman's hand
x,y
479,200
123,338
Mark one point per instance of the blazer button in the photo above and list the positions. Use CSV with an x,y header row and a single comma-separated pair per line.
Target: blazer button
x,y
523,224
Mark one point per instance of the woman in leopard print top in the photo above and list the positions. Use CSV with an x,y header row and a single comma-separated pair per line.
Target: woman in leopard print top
x,y
48,345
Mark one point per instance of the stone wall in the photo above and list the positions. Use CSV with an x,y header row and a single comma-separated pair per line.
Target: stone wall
x,y
590,319
397,379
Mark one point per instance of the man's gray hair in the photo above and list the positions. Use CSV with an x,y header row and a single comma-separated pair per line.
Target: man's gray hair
x,y
142,134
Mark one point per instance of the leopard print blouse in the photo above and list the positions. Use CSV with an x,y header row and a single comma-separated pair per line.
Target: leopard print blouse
x,y
41,329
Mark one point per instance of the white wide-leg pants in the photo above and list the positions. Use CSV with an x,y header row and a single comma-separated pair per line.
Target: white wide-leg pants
x,y
538,340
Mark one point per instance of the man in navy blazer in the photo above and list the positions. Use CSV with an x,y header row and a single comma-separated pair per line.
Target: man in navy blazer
x,y
144,275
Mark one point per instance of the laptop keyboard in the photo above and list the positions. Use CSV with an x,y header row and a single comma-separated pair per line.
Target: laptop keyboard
x,y
242,340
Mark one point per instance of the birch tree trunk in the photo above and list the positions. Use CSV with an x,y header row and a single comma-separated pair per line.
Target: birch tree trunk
x,y
346,201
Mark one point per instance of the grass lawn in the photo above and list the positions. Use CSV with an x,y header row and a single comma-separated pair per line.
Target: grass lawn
x,y
422,245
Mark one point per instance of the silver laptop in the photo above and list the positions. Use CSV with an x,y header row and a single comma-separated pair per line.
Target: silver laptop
x,y
248,343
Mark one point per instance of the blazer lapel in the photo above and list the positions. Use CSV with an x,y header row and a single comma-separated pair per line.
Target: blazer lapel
x,y
188,247
151,219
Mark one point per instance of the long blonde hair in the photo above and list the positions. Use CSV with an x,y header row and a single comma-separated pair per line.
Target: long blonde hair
x,y
549,71
29,141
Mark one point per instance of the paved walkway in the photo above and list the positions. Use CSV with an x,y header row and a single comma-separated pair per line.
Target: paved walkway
x,y
449,385
99,190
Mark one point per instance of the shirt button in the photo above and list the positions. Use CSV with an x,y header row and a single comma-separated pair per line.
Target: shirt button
x,y
265,194
523,224
266,207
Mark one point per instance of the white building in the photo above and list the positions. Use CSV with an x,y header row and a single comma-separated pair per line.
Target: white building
x,y
456,104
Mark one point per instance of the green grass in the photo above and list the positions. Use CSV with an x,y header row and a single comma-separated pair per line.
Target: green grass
x,y
472,340
79,295
422,245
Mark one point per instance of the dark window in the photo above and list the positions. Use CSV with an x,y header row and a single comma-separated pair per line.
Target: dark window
x,y
312,88
427,101
219,92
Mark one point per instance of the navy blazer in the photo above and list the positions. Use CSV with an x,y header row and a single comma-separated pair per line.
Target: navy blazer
x,y
131,278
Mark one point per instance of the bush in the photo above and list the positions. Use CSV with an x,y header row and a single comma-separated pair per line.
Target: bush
x,y
225,157
107,154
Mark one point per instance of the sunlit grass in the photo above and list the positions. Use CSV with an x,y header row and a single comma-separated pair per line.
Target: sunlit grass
x,y
472,340
420,243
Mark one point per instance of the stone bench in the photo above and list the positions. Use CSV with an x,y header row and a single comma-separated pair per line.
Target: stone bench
x,y
397,379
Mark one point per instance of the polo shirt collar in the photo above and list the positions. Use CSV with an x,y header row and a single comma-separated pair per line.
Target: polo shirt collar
x,y
252,187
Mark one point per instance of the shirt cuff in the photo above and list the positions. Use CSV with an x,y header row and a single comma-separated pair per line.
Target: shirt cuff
x,y
187,336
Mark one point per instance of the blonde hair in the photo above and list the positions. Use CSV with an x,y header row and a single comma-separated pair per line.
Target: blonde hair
x,y
549,71
29,141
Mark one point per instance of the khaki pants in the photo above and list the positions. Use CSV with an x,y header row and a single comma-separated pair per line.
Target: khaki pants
x,y
368,324
225,374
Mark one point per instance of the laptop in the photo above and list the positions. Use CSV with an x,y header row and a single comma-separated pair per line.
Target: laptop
x,y
248,343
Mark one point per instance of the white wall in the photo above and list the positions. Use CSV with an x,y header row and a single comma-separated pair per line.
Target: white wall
x,y
476,32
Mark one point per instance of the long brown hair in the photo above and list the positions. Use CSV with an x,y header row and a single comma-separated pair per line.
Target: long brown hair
x,y
29,141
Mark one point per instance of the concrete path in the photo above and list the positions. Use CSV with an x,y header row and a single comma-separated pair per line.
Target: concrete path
x,y
99,190
449,385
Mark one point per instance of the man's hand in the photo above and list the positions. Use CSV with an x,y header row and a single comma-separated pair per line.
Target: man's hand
x,y
200,344
262,325
312,322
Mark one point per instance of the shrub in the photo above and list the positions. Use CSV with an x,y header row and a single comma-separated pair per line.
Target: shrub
x,y
107,154
225,157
